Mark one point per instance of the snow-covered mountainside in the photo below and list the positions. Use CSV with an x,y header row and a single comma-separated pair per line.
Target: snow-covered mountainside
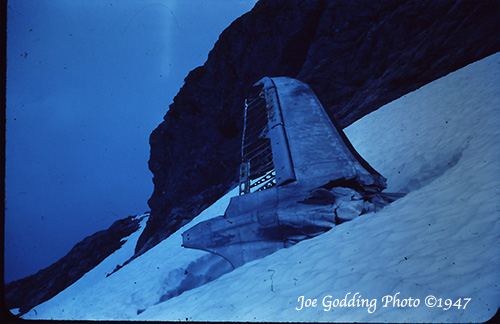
x,y
440,143
355,55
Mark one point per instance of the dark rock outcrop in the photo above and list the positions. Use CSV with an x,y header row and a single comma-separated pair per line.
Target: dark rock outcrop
x,y
83,257
356,56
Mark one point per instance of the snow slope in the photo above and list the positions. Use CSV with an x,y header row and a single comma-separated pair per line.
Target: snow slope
x,y
441,144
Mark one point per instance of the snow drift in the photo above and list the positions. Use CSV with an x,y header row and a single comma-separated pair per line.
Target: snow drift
x,y
440,143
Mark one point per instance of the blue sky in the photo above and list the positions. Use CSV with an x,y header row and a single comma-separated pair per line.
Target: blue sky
x,y
87,82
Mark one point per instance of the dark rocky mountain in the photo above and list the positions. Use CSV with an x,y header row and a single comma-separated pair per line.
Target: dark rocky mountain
x,y
356,56
83,257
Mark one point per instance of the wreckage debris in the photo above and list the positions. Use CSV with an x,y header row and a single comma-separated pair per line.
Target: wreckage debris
x,y
299,177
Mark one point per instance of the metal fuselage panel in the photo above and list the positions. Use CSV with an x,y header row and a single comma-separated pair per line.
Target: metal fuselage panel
x,y
308,152
317,147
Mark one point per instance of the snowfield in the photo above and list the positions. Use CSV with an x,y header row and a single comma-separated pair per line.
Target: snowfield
x,y
440,144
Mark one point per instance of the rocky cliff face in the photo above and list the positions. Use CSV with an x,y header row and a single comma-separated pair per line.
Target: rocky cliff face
x,y
84,256
356,55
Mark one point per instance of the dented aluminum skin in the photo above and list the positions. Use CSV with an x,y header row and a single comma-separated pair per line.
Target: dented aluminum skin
x,y
321,181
